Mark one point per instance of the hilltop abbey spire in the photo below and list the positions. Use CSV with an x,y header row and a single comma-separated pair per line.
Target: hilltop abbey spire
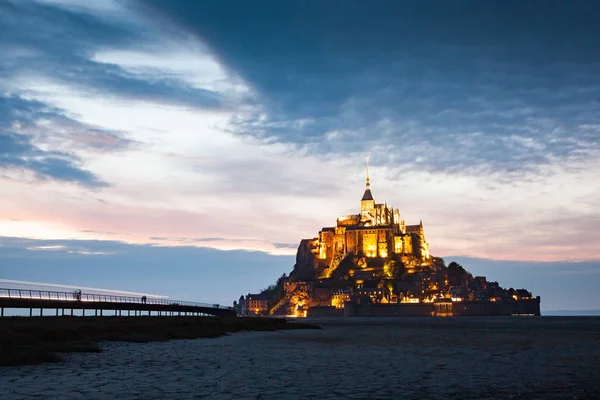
x,y
368,196
368,180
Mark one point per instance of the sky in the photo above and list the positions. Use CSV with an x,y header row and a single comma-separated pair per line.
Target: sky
x,y
185,148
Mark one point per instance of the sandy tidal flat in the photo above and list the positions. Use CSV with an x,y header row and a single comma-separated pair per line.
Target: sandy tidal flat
x,y
424,358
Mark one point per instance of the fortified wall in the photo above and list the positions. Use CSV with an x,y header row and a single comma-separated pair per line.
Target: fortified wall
x,y
524,307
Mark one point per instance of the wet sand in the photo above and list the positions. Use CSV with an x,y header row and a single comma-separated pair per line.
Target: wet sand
x,y
31,341
382,358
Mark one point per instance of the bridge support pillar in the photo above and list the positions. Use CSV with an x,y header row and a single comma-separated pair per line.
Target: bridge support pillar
x,y
129,313
95,313
41,312
63,312
100,312
83,313
119,313
31,312
71,312
57,312
1,311
149,312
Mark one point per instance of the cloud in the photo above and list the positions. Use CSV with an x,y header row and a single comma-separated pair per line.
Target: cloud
x,y
285,245
223,243
407,82
40,138
198,274
67,249
99,232
51,127
245,126
59,43
48,248
17,152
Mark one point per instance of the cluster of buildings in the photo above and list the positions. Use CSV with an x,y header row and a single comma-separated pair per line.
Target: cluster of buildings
x,y
253,305
321,295
374,261
376,233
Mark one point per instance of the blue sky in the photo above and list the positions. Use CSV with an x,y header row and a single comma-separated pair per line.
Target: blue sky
x,y
210,137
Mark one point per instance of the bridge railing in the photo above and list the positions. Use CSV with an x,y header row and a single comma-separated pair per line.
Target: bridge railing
x,y
92,297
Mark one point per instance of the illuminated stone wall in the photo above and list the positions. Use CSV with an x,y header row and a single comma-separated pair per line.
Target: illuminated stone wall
x,y
339,240
398,244
384,249
407,245
351,242
369,243
329,245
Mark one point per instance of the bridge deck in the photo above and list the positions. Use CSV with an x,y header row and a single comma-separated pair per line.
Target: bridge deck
x,y
36,299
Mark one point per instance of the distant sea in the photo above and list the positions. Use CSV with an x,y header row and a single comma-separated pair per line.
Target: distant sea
x,y
571,313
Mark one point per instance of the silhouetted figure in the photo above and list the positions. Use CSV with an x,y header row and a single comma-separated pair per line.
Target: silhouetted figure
x,y
144,299
78,295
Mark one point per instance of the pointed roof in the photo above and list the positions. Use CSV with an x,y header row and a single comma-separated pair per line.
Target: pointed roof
x,y
368,195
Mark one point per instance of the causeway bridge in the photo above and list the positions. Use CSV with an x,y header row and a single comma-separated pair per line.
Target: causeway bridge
x,y
55,303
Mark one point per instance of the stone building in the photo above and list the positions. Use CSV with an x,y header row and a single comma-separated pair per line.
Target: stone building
x,y
257,304
340,297
376,232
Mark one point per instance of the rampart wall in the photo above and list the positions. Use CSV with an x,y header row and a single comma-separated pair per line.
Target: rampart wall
x,y
529,307
325,311
388,310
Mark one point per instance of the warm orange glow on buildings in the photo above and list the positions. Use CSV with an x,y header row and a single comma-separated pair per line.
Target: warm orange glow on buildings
x,y
257,304
373,264
377,231
339,298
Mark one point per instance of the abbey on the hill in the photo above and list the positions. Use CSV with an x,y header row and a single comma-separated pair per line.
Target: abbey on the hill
x,y
373,264
377,232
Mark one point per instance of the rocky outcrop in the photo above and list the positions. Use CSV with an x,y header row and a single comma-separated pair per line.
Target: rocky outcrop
x,y
306,265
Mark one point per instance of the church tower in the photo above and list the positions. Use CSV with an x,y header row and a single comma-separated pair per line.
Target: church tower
x,y
367,203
